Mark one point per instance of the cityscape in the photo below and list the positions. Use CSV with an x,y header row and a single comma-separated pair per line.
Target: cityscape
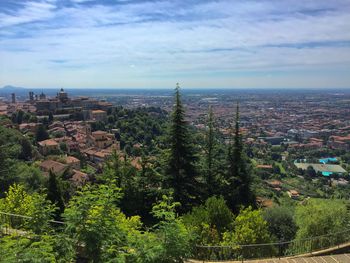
x,y
159,131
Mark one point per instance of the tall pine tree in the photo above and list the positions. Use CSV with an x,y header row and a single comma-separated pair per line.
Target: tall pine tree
x,y
238,184
181,174
210,150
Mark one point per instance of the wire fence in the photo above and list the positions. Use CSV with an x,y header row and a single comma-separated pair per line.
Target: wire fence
x,y
24,225
271,250
11,224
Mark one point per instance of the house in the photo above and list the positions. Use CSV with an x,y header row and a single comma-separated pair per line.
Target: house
x,y
53,166
101,139
275,185
339,142
79,178
73,162
48,146
28,127
98,115
293,194
95,155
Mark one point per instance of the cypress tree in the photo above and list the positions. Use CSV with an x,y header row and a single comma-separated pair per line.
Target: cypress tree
x,y
181,174
50,117
26,151
41,133
54,194
210,152
238,190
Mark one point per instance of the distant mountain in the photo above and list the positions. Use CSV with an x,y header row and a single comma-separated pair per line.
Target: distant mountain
x,y
10,88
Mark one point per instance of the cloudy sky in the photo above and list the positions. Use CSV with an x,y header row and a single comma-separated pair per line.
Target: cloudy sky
x,y
154,44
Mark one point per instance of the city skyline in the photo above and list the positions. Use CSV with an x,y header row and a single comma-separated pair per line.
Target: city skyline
x,y
145,44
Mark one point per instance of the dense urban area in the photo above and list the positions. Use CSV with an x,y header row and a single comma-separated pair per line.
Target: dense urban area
x,y
160,176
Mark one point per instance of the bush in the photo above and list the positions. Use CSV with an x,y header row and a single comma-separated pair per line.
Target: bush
x,y
281,223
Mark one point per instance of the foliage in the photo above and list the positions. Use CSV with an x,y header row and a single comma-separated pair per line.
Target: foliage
x,y
35,205
140,187
211,169
249,228
281,223
237,190
26,149
94,220
54,194
172,232
319,217
41,133
181,174
209,221
144,126
22,249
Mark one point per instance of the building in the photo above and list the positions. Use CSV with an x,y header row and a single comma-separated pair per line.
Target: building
x,y
101,139
79,178
31,96
62,96
293,194
98,115
73,162
339,142
53,166
13,98
48,146
63,102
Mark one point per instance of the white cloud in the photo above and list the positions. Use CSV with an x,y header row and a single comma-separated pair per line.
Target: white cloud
x,y
31,12
132,43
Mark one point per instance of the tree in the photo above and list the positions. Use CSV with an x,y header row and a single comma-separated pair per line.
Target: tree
x,y
172,232
238,189
26,151
281,223
41,133
17,248
208,222
94,221
310,172
35,206
249,228
50,117
19,117
210,175
54,194
181,171
321,217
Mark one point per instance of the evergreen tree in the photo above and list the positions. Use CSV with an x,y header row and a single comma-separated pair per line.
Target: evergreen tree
x,y
41,133
50,117
238,192
210,179
26,151
54,194
19,117
181,175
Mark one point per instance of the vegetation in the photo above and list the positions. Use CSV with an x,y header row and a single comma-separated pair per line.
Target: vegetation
x,y
171,187
181,174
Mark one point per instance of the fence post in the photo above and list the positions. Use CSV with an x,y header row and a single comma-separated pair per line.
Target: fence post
x,y
279,249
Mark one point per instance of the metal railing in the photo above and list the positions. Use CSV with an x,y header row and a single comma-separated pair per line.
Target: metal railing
x,y
271,250
23,225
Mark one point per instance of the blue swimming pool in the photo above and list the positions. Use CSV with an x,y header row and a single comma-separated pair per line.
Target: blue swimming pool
x,y
327,160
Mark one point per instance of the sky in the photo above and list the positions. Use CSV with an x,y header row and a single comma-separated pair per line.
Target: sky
x,y
155,44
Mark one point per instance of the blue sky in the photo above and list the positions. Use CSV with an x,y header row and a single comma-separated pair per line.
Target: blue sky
x,y
154,44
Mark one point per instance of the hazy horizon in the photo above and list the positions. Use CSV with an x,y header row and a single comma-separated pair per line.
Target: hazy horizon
x,y
140,44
